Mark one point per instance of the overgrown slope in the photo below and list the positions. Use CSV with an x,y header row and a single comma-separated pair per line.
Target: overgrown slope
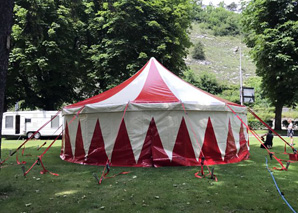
x,y
222,56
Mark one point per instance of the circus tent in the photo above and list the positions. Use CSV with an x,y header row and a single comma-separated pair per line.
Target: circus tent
x,y
154,119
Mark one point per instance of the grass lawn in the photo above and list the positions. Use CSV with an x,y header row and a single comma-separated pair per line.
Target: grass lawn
x,y
242,187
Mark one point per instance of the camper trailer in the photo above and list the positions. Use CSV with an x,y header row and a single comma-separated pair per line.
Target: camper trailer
x,y
25,123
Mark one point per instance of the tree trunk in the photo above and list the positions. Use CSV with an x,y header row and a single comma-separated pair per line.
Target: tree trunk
x,y
6,10
278,111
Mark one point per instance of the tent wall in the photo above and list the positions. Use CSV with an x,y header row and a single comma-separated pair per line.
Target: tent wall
x,y
155,138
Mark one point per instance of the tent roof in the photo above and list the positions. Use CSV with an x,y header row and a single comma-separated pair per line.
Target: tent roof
x,y
152,84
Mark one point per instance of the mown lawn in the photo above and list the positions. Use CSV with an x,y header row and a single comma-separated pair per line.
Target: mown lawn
x,y
241,187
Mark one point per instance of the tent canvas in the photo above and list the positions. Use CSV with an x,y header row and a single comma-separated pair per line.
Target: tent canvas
x,y
154,119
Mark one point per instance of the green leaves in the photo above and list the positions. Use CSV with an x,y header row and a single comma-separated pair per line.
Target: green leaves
x,y
271,32
65,51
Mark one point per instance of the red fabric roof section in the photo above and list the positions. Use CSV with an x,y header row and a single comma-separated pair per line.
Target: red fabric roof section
x,y
109,93
155,89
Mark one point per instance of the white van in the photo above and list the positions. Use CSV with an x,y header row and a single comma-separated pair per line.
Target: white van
x,y
25,123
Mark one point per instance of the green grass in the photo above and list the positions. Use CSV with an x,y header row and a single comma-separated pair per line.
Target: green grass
x,y
242,187
220,56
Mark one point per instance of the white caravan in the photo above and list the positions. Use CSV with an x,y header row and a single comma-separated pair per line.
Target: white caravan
x,y
25,123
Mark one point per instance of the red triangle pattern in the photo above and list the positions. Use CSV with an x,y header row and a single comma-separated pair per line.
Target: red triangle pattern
x,y
79,151
243,151
67,155
155,89
160,157
62,147
145,159
231,149
183,152
153,153
210,149
122,154
97,153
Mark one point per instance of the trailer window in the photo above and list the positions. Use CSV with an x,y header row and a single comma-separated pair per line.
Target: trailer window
x,y
8,121
55,122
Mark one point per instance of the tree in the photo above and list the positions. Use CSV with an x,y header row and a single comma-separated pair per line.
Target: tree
x,y
6,7
220,20
272,33
198,52
232,7
65,51
135,30
205,81
46,59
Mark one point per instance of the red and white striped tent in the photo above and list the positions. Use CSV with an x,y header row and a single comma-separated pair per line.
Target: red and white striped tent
x,y
154,119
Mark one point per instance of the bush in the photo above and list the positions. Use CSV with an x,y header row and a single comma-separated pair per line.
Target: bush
x,y
198,52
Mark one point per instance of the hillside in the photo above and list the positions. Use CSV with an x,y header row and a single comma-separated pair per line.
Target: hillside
x,y
222,56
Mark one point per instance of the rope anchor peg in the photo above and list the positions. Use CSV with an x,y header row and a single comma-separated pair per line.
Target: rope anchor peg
x,y
212,174
96,177
288,164
270,154
23,169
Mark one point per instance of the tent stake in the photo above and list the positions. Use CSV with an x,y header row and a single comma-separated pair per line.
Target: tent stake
x,y
23,169
96,177
288,164
212,173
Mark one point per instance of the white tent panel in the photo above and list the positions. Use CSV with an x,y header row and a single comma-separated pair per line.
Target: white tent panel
x,y
137,124
196,123
72,128
90,123
220,126
236,125
110,124
131,91
184,91
83,121
168,123
245,130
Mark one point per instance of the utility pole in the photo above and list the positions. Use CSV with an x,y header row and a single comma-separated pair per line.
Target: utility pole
x,y
240,75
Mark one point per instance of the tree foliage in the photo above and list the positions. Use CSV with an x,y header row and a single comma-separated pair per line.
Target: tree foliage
x,y
46,60
198,51
272,33
220,20
64,51
205,81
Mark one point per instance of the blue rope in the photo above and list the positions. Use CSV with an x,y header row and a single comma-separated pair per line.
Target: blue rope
x,y
280,193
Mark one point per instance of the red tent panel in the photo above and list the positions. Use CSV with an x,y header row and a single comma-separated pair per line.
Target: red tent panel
x,y
122,154
67,155
79,150
210,149
155,89
243,151
231,149
145,159
97,153
160,157
183,152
